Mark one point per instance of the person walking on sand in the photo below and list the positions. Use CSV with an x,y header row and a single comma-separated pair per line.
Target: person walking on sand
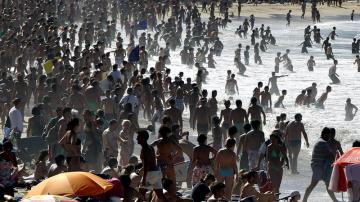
x,y
321,160
349,110
293,133
226,166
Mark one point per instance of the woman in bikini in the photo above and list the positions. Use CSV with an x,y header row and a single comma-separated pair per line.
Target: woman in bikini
x,y
276,157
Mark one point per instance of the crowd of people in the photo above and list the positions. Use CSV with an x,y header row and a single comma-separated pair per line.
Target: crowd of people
x,y
90,97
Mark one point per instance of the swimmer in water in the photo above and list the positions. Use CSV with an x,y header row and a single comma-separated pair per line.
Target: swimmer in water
x,y
279,103
273,81
300,98
332,73
320,102
311,63
349,110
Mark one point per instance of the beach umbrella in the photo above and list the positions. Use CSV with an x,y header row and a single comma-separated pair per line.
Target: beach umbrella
x,y
48,198
338,181
71,184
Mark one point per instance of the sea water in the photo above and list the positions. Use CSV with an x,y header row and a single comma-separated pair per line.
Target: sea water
x,y
314,119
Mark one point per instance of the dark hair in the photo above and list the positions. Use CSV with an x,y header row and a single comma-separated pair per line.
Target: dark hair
x,y
59,159
202,139
144,134
250,174
230,143
125,180
72,124
66,110
325,132
232,131
356,143
255,124
247,127
217,186
238,103
112,162
164,131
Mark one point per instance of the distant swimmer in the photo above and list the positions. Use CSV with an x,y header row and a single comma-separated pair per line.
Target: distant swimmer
x,y
273,81
279,103
333,34
288,18
352,15
311,63
349,110
265,100
231,86
312,92
277,61
320,102
332,73
357,62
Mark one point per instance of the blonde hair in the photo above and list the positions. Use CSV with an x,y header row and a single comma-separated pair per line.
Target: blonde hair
x,y
125,123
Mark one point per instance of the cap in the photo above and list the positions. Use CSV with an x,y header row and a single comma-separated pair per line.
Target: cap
x,y
294,193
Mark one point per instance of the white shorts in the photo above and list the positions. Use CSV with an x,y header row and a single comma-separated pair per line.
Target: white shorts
x,y
153,180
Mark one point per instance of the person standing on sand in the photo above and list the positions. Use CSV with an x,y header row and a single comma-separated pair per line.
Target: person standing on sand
x,y
349,110
293,133
238,117
151,174
201,161
321,159
225,166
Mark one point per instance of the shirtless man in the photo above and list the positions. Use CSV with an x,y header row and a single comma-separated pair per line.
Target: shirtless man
x,y
300,98
167,149
109,106
357,62
313,92
201,161
225,167
92,96
266,101
252,142
225,118
202,118
273,81
320,102
174,114
238,118
277,62
257,90
151,174
231,87
293,133
255,111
